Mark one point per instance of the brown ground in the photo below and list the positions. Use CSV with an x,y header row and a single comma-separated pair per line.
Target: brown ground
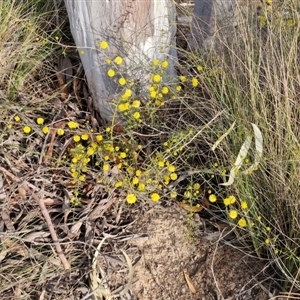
x,y
216,270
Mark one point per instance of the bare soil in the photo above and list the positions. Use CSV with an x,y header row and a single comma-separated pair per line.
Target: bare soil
x,y
176,255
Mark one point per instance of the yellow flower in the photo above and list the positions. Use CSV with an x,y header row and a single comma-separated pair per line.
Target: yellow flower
x,y
232,199
156,62
122,81
165,90
200,68
161,163
267,241
82,177
171,168
141,187
153,94
135,180
118,60
155,197
226,201
138,173
45,129
27,129
60,131
90,151
156,78
136,103
187,194
136,115
85,136
103,45
76,138
233,214
242,222
106,167
195,82
72,124
40,121
196,186
111,73
17,118
123,106
173,194
212,198
164,64
118,184
123,155
99,137
182,78
244,205
131,198
178,88
173,176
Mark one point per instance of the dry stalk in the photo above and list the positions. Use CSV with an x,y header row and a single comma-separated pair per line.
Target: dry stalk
x,y
45,213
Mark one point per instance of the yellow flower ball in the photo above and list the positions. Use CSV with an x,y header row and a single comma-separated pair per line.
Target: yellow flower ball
x,y
195,82
123,155
226,201
118,60
99,138
182,78
200,68
171,168
123,106
178,88
232,199
173,194
106,167
196,186
45,129
72,124
242,222
156,78
135,180
40,121
111,73
173,176
27,129
122,81
164,64
212,198
136,115
155,197
76,138
103,45
131,198
85,136
156,62
60,131
141,187
136,103
244,205
233,214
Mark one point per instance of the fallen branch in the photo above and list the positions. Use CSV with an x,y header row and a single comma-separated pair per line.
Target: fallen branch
x,y
45,213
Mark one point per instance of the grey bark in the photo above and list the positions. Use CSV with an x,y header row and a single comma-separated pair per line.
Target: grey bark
x,y
135,30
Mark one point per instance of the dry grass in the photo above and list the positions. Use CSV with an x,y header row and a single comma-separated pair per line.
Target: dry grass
x,y
253,79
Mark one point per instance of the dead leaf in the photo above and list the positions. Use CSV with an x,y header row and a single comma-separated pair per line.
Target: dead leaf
x,y
189,281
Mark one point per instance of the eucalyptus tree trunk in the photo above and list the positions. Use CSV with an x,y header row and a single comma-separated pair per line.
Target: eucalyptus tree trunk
x,y
213,20
138,31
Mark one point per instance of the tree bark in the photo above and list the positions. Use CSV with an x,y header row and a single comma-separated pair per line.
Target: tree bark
x,y
213,19
138,31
